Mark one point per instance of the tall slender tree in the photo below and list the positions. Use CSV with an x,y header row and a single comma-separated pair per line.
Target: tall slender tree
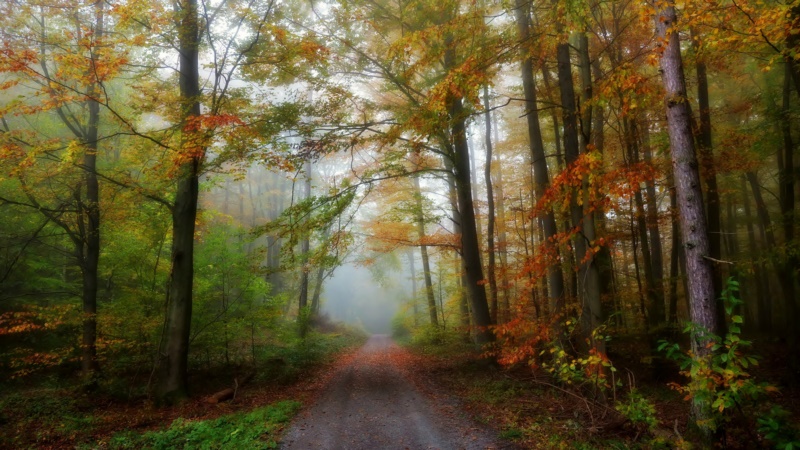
x,y
555,277
694,229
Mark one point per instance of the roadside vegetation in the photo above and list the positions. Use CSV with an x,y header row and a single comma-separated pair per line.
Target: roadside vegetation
x,y
52,411
552,402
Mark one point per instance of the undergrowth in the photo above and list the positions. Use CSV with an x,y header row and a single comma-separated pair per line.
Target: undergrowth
x,y
287,361
721,384
255,429
552,394
54,411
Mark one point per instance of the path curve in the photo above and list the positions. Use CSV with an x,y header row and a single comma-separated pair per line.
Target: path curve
x,y
369,404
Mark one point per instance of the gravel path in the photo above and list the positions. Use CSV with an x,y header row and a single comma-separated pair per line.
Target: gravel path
x,y
371,405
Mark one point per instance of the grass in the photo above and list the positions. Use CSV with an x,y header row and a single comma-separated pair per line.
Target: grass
x,y
256,429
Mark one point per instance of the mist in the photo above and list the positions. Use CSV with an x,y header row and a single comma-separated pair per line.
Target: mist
x,y
353,295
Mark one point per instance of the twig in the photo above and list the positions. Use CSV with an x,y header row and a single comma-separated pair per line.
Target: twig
x,y
718,260
585,401
677,433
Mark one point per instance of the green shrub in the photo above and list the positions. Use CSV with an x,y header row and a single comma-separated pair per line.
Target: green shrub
x,y
286,361
400,328
429,335
639,411
776,427
721,380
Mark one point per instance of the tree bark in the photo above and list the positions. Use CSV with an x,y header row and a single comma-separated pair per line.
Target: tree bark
x,y
456,218
475,197
494,304
423,249
764,307
656,251
173,359
709,175
555,277
603,260
694,229
91,209
470,248
782,269
319,278
588,283
305,248
498,187
655,292
786,169
413,271
675,255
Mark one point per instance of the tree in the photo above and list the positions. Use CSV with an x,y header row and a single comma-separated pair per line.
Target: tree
x,y
555,278
74,68
174,352
694,231
305,268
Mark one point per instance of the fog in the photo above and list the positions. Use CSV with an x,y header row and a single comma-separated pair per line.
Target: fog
x,y
354,296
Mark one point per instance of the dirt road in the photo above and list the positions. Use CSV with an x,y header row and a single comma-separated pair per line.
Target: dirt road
x,y
371,405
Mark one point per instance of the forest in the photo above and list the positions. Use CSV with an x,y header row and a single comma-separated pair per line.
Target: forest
x,y
578,217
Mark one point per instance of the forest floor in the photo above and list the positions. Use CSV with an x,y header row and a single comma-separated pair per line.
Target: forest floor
x,y
374,400
334,392
53,412
527,407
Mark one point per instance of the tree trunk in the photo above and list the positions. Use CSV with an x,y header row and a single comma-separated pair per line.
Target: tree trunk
x,y
456,218
501,237
656,251
786,168
782,269
470,249
635,239
174,353
319,278
655,314
91,209
494,306
555,277
764,307
588,286
556,125
792,45
413,271
675,255
694,229
474,176
709,174
605,265
426,266
305,248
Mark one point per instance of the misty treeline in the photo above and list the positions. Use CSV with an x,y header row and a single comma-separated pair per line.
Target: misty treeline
x,y
180,179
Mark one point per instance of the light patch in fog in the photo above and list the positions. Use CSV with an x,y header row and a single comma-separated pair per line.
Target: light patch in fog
x,y
352,296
